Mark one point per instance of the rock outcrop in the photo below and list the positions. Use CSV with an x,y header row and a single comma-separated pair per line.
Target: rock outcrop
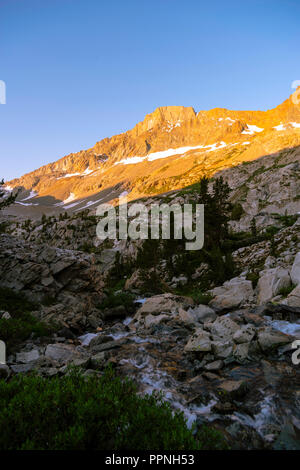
x,y
66,285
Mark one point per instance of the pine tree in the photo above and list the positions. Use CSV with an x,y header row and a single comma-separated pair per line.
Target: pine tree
x,y
253,227
4,199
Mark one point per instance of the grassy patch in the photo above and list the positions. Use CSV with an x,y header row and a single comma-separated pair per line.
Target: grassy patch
x,y
287,220
22,323
285,291
253,277
197,296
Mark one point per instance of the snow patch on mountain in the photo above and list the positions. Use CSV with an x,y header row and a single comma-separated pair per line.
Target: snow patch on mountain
x,y
283,127
251,129
26,203
69,175
170,153
31,195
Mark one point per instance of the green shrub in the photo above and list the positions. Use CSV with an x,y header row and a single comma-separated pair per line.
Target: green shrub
x,y
285,291
237,212
22,324
48,300
253,277
151,282
201,298
114,299
78,413
3,227
271,231
287,220
87,248
196,294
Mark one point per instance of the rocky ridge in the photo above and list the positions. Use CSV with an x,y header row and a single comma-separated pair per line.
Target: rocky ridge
x,y
173,147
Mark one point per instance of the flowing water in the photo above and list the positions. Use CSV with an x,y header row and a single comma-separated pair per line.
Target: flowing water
x,y
142,358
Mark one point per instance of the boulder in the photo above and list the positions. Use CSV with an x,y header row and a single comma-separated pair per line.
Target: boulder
x,y
224,328
107,259
233,389
295,272
98,360
163,303
153,320
186,317
5,315
199,342
271,282
107,346
179,281
233,294
222,349
23,368
254,318
61,352
99,339
135,282
216,365
29,356
293,299
268,338
203,313
241,352
245,334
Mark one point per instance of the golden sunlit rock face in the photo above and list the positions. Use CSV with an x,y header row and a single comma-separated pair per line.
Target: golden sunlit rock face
x,y
171,148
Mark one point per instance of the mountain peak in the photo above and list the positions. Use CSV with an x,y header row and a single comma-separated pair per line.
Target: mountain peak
x,y
171,114
161,151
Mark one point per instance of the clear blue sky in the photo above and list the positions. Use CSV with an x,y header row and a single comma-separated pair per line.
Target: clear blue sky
x,y
77,71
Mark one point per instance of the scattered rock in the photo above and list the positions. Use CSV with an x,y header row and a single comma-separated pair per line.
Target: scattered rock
x,y
270,339
29,356
203,313
233,389
245,334
224,328
295,272
151,320
213,366
241,352
293,299
271,282
5,315
163,303
199,342
61,352
135,282
222,349
235,293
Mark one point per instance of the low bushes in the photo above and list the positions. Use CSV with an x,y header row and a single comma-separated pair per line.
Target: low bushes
x,y
22,323
78,413
115,299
